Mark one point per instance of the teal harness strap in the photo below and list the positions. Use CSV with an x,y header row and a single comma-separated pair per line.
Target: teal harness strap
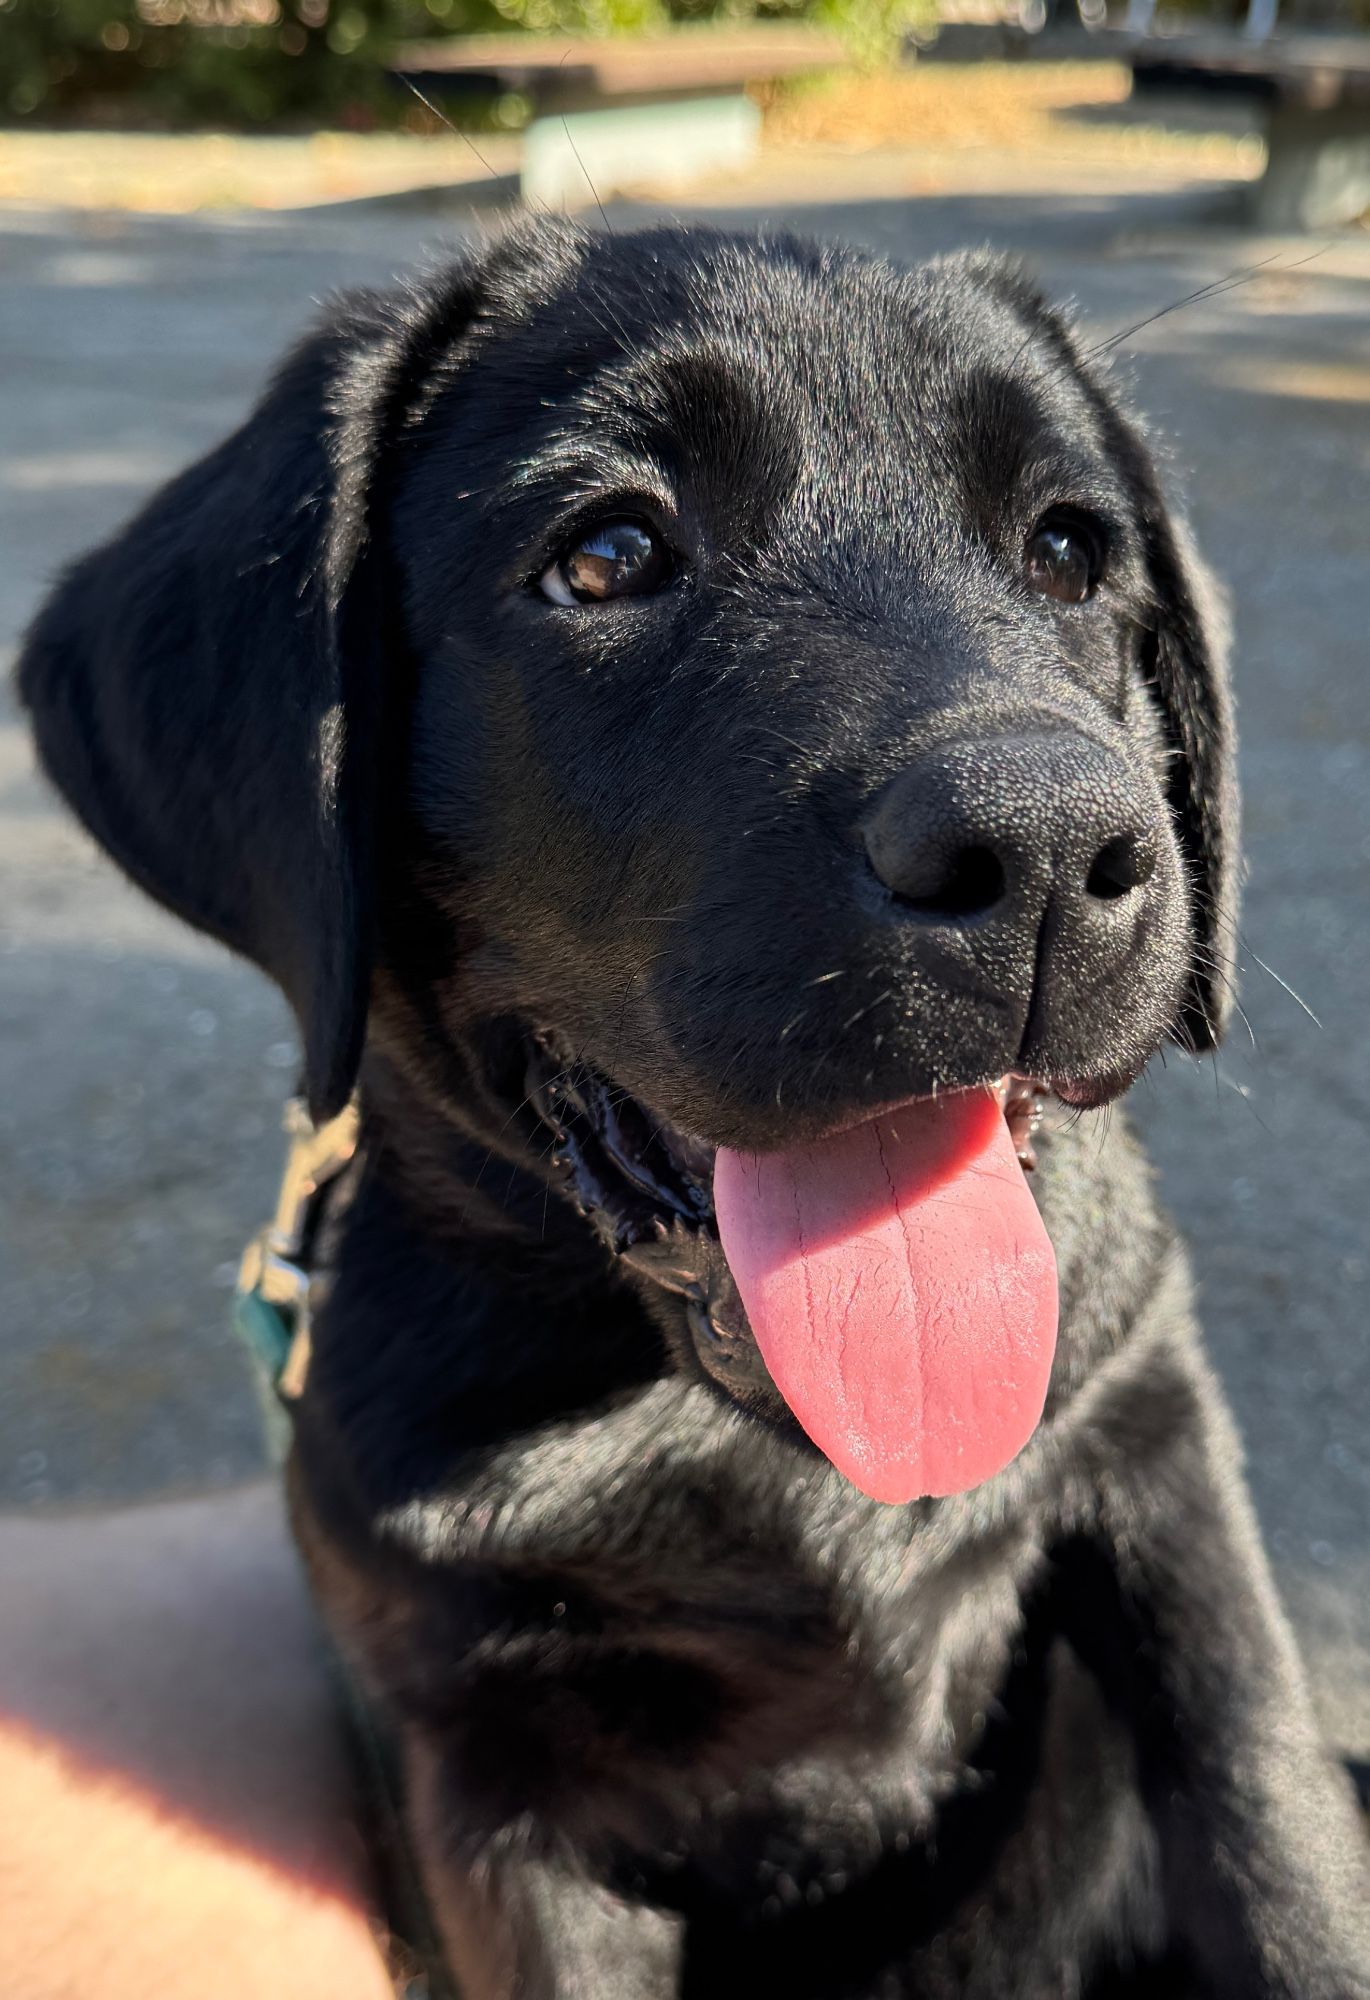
x,y
268,1335
263,1328
271,1307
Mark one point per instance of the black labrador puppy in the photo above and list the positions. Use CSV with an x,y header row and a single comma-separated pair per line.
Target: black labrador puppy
x,y
717,733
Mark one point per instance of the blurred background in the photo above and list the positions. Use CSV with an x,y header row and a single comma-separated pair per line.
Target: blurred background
x,y
182,180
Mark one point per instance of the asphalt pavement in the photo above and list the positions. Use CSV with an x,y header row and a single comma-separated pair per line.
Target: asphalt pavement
x,y
143,1070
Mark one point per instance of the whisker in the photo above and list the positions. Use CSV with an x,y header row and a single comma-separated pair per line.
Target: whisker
x,y
1243,943
1297,998
608,226
443,119
1213,289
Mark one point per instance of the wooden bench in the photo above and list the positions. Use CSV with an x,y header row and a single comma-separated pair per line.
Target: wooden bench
x,y
1315,90
611,114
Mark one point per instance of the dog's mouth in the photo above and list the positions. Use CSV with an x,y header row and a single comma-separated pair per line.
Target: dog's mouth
x,y
640,1181
892,1282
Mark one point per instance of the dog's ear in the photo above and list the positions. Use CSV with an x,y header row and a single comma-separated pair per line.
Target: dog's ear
x,y
1184,660
206,688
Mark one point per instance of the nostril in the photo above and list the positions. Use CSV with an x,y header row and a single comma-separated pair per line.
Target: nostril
x,y
1121,865
973,883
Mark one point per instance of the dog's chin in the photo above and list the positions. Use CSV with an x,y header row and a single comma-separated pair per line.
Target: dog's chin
x,y
645,1186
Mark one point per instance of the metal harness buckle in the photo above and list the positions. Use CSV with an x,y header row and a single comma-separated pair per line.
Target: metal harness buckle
x,y
271,1303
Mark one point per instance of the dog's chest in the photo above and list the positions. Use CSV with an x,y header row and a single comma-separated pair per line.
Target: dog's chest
x,y
687,1652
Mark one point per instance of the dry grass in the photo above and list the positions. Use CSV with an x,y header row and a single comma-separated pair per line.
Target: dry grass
x,y
1023,107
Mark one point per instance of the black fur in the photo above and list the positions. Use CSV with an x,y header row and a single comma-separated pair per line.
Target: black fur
x,y
683,1712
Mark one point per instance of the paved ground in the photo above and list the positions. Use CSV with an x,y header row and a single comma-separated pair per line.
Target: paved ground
x,y
144,1070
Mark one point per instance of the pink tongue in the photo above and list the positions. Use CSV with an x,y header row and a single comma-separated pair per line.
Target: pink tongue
x,y
902,1290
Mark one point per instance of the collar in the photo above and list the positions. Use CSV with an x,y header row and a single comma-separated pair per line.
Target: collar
x,y
271,1305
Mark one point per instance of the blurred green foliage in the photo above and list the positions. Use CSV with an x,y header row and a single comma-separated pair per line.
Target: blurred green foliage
x,y
318,62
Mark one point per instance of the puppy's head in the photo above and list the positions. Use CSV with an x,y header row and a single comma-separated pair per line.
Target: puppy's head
x,y
691,672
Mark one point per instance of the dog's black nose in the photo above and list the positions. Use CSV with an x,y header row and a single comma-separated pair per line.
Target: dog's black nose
x,y
995,832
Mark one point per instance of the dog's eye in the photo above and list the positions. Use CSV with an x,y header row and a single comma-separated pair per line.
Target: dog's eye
x,y
615,559
1064,557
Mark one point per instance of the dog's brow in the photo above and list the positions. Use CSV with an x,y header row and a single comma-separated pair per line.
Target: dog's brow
x,y
568,467
1017,428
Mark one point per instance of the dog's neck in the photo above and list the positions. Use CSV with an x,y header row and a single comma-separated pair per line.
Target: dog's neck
x,y
448,1306
463,1168
474,1191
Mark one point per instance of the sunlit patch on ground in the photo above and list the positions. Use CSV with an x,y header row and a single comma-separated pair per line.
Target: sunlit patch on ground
x,y
1323,382
181,173
1048,116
